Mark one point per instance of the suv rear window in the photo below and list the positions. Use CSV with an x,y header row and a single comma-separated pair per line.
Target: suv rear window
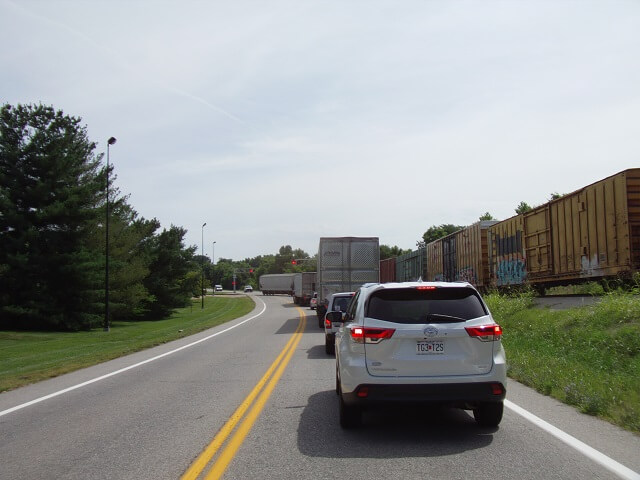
x,y
340,303
411,305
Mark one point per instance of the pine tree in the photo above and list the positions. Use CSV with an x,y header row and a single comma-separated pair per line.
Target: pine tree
x,y
50,186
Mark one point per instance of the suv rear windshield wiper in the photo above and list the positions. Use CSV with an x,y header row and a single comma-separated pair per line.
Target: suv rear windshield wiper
x,y
442,318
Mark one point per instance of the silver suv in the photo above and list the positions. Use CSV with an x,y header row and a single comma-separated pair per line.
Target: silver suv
x,y
418,342
338,302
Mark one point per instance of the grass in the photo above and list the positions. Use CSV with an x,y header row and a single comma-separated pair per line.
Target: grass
x,y
27,357
589,288
588,357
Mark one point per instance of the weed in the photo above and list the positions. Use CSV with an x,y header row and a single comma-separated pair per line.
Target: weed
x,y
588,357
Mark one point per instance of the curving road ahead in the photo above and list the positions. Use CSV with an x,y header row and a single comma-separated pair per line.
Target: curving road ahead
x,y
257,397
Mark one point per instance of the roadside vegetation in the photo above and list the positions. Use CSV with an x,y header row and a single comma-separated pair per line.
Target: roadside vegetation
x,y
31,356
588,357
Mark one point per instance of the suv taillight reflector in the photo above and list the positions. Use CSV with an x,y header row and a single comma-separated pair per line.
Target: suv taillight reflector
x,y
370,335
497,389
485,333
327,323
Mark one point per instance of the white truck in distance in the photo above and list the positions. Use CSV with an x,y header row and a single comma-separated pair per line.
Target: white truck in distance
x,y
344,265
276,283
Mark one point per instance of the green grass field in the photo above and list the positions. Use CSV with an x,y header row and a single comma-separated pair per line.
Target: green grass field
x,y
588,357
27,357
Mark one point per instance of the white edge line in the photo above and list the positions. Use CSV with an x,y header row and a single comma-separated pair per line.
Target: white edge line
x,y
599,457
130,367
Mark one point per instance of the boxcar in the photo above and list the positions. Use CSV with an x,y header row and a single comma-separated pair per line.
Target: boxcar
x,y
589,234
410,266
507,261
388,270
461,256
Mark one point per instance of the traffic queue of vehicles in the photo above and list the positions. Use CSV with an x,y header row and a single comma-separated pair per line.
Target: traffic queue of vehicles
x,y
425,343
409,341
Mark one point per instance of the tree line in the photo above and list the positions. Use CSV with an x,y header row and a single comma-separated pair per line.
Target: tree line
x,y
436,232
53,235
53,210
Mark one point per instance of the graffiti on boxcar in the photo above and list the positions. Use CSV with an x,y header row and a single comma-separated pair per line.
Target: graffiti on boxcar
x,y
589,265
511,272
467,275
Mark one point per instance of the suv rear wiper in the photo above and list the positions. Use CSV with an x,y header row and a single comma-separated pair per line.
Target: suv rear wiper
x,y
442,318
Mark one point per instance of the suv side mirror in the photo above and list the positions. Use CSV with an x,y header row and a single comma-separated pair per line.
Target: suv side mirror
x,y
334,316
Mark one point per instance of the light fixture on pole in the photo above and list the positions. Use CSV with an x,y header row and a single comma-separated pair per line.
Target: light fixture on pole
x,y
106,325
202,266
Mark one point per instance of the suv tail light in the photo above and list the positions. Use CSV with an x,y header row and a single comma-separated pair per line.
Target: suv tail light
x,y
370,335
485,333
327,323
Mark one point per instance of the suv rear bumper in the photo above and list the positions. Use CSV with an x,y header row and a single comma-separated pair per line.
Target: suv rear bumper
x,y
459,394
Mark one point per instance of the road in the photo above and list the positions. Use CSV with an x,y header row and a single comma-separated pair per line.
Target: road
x,y
152,420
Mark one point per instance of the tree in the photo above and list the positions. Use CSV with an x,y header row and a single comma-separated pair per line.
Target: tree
x,y
284,258
486,216
435,232
169,271
128,258
50,185
555,196
523,207
389,252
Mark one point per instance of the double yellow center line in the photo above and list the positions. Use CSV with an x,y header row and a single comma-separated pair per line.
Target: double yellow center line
x,y
262,393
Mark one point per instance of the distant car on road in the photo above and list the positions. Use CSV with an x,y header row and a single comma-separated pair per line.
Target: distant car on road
x,y
218,288
248,288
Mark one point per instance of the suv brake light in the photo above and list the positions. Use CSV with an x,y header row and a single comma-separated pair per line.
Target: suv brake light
x,y
327,323
370,335
485,333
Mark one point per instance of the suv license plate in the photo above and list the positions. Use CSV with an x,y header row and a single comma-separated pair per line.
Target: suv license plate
x,y
430,348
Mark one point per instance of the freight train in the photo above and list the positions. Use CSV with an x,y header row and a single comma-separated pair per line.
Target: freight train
x,y
587,235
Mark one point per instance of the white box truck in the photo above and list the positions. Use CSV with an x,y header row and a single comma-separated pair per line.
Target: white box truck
x,y
304,284
344,265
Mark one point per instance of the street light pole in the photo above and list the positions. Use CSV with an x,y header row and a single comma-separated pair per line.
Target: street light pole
x,y
106,325
202,266
213,263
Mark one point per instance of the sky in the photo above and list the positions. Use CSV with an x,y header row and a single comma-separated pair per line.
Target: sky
x,y
280,122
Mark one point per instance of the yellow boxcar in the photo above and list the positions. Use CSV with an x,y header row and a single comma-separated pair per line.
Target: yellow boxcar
x,y
594,231
588,234
461,256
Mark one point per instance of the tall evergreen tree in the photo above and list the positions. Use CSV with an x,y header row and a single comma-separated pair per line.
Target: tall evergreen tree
x,y
168,280
129,259
50,185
